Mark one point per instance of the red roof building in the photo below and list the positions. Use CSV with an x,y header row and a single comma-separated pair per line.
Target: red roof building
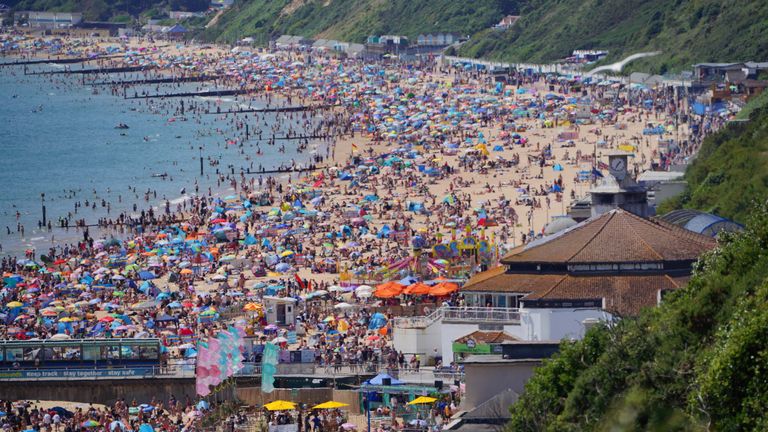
x,y
617,261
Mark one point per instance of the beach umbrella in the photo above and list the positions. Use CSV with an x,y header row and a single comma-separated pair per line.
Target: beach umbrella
x,y
146,427
91,423
330,405
147,275
252,307
14,305
422,400
389,290
279,405
343,305
417,289
443,289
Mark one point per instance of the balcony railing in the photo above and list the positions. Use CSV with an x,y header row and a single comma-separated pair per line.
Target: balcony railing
x,y
461,314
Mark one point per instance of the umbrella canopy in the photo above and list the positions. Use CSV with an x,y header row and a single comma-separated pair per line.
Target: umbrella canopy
x,y
389,290
417,289
422,400
330,405
280,405
443,289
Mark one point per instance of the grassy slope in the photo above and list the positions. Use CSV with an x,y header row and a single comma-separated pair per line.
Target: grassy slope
x,y
731,170
700,357
354,20
687,31
104,10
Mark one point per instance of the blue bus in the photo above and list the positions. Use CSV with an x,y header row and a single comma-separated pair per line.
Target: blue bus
x,y
90,353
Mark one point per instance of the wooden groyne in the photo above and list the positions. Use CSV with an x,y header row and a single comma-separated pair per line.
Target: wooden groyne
x,y
193,94
165,80
92,71
56,61
266,110
285,171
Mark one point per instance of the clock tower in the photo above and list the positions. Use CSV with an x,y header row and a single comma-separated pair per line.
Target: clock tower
x,y
619,189
617,166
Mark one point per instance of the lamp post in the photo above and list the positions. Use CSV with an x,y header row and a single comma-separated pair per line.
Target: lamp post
x,y
42,202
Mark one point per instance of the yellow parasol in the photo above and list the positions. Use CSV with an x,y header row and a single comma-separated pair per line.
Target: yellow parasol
x,y
330,405
421,400
280,405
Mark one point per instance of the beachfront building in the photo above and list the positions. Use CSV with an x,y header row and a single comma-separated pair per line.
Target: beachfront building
x,y
49,20
507,22
437,39
611,265
182,15
286,42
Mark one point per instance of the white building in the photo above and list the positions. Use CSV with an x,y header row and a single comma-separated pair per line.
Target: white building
x,y
50,20
438,331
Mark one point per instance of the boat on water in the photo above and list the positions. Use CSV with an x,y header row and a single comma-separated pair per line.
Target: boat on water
x,y
121,126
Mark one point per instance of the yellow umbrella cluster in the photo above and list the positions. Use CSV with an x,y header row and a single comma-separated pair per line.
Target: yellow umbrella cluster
x,y
330,405
280,405
421,400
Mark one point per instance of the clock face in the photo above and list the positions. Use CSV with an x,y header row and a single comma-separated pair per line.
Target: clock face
x,y
618,164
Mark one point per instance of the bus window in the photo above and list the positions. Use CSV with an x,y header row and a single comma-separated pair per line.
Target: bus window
x,y
31,353
110,352
13,354
92,352
149,353
71,353
56,353
129,352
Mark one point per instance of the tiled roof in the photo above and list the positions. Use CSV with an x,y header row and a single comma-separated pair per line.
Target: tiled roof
x,y
488,337
613,237
623,294
497,280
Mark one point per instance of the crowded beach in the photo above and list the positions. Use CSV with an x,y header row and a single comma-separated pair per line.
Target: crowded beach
x,y
421,175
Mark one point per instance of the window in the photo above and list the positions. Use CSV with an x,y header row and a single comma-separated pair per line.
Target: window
x,y
130,352
92,353
110,352
13,354
149,353
30,354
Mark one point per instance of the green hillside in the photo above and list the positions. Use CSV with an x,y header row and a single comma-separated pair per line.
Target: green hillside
x,y
686,31
354,20
731,169
697,362
107,10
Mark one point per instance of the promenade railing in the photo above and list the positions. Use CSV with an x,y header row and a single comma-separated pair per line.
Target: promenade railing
x,y
460,314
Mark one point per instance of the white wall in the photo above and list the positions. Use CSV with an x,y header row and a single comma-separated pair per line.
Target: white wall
x,y
485,381
535,325
556,324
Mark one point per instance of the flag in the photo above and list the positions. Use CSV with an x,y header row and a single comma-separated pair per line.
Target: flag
x,y
301,282
602,165
320,179
354,147
596,173
268,367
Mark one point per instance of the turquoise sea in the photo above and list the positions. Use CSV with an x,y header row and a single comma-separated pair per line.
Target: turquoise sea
x,y
58,138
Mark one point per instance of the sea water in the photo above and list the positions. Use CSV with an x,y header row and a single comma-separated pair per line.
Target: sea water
x,y
58,138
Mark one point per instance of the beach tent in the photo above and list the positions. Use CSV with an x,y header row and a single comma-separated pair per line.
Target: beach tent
x,y
379,380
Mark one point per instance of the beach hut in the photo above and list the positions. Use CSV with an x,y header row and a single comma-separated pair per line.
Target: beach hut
x,y
280,310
